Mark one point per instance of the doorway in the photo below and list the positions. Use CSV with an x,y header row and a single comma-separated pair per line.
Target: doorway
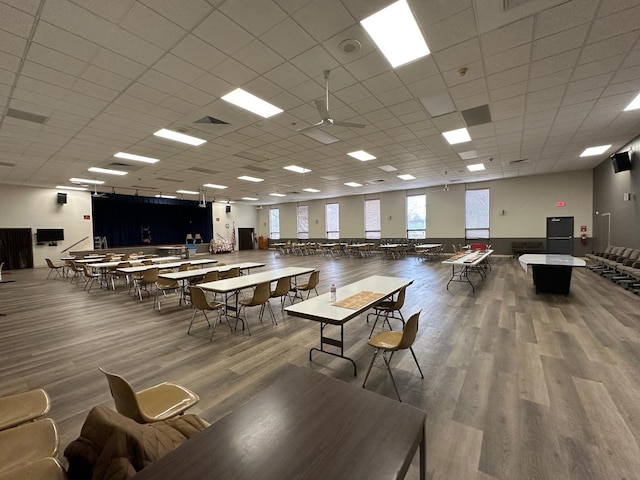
x,y
16,248
245,238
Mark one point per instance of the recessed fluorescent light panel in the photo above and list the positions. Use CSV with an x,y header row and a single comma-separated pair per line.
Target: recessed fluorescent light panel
x,y
86,180
165,196
353,184
108,171
388,168
63,187
476,167
361,155
179,137
634,105
187,192
591,151
215,186
136,158
297,169
406,176
311,190
277,194
252,103
457,136
321,136
250,179
251,199
396,33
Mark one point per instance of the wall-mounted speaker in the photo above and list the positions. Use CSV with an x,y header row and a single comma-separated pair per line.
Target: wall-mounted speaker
x,y
227,208
621,162
62,197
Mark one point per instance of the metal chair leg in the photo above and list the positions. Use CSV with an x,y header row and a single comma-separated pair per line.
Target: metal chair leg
x,y
375,354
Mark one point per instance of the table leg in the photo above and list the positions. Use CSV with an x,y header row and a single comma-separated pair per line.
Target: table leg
x,y
423,453
336,343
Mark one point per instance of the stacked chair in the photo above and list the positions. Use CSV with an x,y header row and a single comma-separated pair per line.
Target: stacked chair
x,y
28,443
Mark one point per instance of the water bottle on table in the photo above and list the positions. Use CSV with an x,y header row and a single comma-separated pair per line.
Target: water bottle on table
x,y
333,292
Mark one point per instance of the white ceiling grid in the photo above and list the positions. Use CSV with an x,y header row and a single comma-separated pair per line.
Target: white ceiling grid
x,y
556,76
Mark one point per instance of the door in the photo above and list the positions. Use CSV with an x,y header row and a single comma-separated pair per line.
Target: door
x,y
245,239
560,235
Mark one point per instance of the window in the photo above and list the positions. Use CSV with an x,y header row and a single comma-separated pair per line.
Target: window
x,y
333,221
274,223
303,222
477,214
417,216
372,219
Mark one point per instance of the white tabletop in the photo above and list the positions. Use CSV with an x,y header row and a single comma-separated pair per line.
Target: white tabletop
x,y
551,260
238,283
115,263
320,308
222,268
428,245
471,259
142,268
392,245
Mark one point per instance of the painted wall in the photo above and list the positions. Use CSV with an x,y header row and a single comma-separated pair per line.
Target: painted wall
x,y
243,216
28,207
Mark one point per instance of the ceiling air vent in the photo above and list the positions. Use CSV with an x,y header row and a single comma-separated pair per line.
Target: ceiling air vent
x,y
203,170
255,169
210,120
374,182
477,115
26,116
515,162
7,164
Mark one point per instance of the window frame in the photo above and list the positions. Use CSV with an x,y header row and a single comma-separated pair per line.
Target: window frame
x,y
476,232
302,235
332,234
416,233
273,234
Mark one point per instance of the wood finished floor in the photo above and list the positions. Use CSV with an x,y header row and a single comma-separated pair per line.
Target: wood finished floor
x,y
517,385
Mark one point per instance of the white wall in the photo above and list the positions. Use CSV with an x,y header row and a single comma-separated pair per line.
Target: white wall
x,y
29,207
244,216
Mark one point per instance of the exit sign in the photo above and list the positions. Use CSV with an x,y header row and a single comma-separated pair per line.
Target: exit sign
x,y
559,204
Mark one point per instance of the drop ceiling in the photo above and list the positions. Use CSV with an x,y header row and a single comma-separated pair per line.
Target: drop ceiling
x,y
539,80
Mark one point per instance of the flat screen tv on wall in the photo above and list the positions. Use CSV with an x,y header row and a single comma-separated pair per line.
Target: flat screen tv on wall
x,y
621,162
49,234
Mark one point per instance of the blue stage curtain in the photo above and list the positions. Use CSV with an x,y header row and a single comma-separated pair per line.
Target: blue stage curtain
x,y
124,218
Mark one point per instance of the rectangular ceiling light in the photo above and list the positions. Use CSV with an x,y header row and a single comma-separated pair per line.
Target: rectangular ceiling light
x,y
136,158
457,136
250,179
353,184
388,168
297,169
63,187
396,33
591,151
321,136
406,176
86,180
311,190
187,192
361,155
634,105
251,199
277,194
179,137
476,167
108,171
215,186
252,103
165,196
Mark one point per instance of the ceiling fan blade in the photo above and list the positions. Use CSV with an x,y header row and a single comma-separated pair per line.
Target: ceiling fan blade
x,y
312,127
348,124
322,109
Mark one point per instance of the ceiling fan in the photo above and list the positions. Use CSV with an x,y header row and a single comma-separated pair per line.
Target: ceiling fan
x,y
95,193
323,109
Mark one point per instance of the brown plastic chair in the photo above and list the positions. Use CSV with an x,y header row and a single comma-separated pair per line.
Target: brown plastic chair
x,y
162,401
47,468
231,273
23,407
387,310
311,284
27,443
149,277
164,285
89,277
53,268
200,303
261,295
392,342
282,290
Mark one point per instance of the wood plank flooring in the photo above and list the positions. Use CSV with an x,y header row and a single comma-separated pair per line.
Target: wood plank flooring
x,y
517,385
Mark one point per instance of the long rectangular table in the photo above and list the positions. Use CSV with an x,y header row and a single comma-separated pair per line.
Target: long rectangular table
x,y
234,285
321,309
551,272
304,426
474,261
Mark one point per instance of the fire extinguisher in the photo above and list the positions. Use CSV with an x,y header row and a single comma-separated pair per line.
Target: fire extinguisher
x,y
583,238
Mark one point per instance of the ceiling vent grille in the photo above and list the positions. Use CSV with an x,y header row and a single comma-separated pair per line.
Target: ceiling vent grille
x,y
203,170
26,116
476,116
211,120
